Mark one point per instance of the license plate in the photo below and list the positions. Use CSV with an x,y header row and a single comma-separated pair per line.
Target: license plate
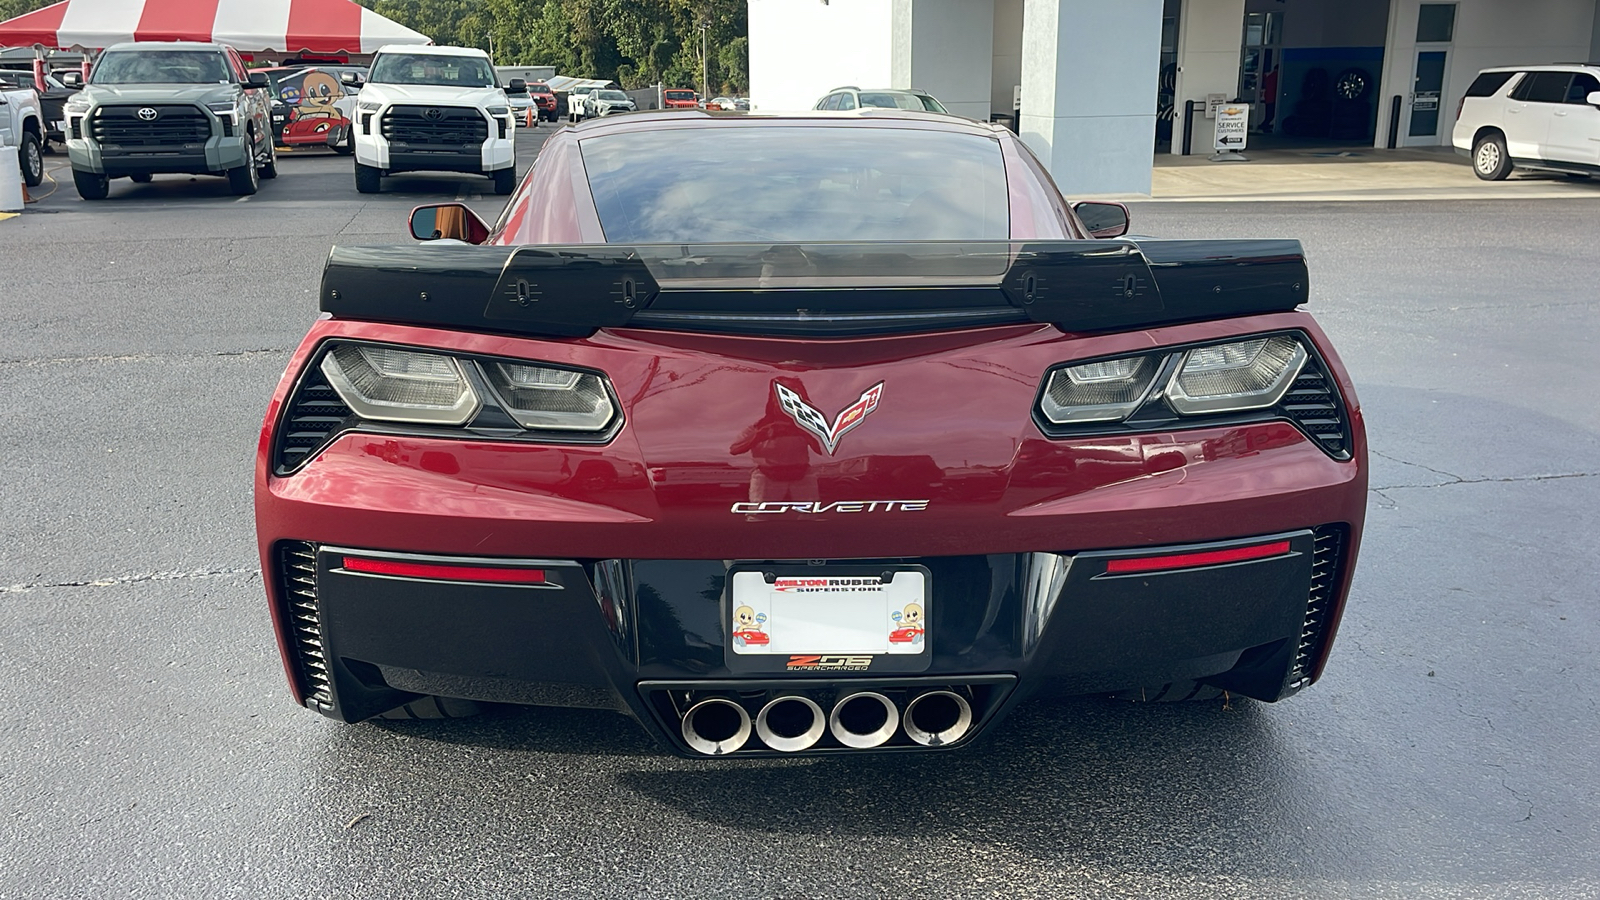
x,y
808,620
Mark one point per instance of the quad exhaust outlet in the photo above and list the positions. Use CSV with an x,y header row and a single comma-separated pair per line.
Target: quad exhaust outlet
x,y
863,720
802,716
936,718
790,723
716,726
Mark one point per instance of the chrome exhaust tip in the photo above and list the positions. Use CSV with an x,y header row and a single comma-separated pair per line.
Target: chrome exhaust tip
x,y
937,718
790,723
716,726
863,720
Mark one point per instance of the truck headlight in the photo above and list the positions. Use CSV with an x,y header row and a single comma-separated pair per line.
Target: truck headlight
x,y
77,103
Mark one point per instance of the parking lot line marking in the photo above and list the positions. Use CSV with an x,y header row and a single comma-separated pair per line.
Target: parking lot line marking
x,y
5,216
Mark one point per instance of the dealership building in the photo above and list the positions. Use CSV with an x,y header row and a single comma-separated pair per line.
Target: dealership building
x,y
1101,86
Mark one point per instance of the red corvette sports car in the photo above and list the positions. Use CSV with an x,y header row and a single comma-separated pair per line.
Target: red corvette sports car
x,y
892,383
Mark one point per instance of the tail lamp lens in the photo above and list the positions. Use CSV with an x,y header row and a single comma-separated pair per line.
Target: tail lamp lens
x,y
546,399
392,385
1234,377
1105,391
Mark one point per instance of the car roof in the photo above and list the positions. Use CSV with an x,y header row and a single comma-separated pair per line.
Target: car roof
x,y
651,120
166,45
1544,67
430,50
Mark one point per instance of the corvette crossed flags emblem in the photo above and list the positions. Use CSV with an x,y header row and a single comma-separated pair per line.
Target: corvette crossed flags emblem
x,y
811,419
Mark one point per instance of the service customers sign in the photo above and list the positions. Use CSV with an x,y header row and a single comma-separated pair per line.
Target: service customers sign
x,y
1233,122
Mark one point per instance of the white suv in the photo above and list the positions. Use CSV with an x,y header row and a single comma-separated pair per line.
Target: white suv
x,y
437,109
1531,117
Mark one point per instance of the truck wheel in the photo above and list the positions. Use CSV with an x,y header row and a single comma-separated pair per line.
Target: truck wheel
x,y
270,170
346,147
244,180
32,159
369,180
141,178
91,186
1490,160
505,181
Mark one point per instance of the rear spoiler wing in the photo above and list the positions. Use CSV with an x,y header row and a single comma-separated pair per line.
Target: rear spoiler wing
x,y
818,289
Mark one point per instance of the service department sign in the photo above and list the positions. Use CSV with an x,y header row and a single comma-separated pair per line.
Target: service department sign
x,y
1233,123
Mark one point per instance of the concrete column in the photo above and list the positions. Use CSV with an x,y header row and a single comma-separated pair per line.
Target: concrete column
x,y
1209,36
944,47
1089,70
1594,40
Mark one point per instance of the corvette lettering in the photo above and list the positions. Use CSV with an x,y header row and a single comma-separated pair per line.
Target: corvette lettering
x,y
810,508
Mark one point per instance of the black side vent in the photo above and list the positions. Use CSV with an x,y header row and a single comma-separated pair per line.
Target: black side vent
x,y
1313,403
315,416
1327,560
297,567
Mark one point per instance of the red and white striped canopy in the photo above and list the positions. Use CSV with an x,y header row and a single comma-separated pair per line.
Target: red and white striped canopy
x,y
250,26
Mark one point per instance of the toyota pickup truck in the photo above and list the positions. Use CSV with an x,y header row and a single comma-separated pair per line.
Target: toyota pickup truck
x,y
435,109
21,126
170,107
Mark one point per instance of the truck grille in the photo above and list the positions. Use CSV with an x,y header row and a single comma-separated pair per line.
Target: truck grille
x,y
438,126
121,126
315,415
1327,557
297,569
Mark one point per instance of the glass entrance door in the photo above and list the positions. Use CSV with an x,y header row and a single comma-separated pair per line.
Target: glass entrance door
x,y
1426,88
1436,27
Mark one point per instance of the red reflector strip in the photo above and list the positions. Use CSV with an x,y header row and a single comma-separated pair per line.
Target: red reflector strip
x,y
444,573
1190,560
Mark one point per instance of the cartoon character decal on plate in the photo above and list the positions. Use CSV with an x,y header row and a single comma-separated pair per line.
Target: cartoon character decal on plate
x,y
747,627
908,625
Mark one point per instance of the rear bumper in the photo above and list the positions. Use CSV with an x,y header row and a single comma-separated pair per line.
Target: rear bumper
x,y
638,530
638,635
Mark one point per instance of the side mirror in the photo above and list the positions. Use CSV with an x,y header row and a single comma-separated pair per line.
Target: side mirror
x,y
348,77
517,86
70,79
1102,219
259,80
1593,99
448,220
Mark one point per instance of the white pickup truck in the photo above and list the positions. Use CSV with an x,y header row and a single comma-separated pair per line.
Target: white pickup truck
x,y
22,126
434,109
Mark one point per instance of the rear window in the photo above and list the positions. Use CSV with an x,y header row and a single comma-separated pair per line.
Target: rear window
x,y
1544,87
777,183
890,100
1488,83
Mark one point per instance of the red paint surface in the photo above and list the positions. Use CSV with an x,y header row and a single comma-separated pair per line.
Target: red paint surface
x,y
190,20
37,27
325,26
1191,560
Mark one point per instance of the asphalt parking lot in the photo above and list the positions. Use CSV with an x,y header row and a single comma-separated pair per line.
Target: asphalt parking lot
x,y
150,747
